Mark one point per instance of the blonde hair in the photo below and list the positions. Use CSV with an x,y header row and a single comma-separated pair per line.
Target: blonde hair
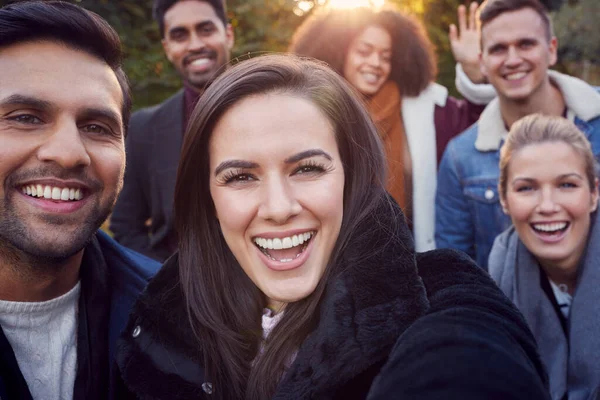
x,y
538,129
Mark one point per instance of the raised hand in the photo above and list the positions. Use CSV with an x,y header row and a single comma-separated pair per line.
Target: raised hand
x,y
465,42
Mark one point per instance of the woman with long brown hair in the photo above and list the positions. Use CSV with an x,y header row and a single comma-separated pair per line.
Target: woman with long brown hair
x,y
388,58
296,273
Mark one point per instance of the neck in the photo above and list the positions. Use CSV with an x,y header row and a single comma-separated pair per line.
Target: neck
x,y
547,100
560,274
26,278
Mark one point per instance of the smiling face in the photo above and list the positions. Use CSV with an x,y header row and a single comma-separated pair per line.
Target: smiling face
x,y
196,41
550,200
62,156
277,183
516,54
368,62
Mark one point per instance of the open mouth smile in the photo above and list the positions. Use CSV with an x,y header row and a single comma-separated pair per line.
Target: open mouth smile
x,y
53,192
550,231
284,249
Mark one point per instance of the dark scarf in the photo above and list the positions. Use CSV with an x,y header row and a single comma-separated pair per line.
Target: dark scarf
x,y
377,295
91,381
572,358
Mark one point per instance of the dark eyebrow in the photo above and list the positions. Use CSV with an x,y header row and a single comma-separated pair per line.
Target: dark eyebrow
x,y
102,113
307,154
204,24
234,164
26,101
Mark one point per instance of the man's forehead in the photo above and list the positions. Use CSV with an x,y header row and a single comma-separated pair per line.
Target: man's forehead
x,y
56,74
513,25
190,12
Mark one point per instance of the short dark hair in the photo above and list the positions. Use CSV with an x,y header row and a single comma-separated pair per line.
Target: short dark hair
x,y
160,8
491,9
71,25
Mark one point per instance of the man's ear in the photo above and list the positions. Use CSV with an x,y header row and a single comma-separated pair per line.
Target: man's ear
x,y
165,45
230,36
553,51
482,66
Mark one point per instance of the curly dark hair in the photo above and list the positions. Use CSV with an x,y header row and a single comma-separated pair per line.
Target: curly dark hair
x,y
327,35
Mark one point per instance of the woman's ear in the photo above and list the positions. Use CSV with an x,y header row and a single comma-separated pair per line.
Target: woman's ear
x,y
504,205
595,196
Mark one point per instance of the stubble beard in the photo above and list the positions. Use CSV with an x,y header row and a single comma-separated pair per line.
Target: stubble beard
x,y
31,255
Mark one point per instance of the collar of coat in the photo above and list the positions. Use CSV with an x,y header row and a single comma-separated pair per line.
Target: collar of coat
x,y
581,99
375,298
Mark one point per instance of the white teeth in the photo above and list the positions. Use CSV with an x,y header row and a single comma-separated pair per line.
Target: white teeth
x,y
52,193
283,243
515,76
200,61
552,227
370,78
286,243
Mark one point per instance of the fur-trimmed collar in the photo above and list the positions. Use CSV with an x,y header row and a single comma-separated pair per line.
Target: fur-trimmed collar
x,y
376,297
581,99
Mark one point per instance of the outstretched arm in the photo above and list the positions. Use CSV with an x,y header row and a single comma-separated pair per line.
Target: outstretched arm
x,y
472,344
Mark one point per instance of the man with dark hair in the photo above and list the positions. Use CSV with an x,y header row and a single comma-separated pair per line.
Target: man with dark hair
x,y
65,288
517,50
197,40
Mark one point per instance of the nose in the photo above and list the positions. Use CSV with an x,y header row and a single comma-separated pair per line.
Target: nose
x,y
374,60
547,203
513,57
196,42
64,146
279,204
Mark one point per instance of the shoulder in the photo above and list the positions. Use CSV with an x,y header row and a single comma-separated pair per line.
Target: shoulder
x,y
147,115
466,139
125,263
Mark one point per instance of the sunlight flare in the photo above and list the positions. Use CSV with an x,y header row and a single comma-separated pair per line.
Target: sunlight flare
x,y
355,3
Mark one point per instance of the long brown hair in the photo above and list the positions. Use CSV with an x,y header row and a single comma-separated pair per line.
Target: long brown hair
x,y
327,35
224,306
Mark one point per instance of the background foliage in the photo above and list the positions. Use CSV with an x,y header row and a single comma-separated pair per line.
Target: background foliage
x,y
267,25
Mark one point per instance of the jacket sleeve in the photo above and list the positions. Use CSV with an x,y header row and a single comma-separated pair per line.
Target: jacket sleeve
x,y
472,344
131,212
453,223
475,93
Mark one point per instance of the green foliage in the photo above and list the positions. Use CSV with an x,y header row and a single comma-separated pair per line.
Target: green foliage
x,y
267,26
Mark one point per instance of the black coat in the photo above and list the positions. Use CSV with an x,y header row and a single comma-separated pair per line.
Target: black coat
x,y
153,147
378,297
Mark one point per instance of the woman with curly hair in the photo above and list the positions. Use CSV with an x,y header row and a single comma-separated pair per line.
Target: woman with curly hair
x,y
388,58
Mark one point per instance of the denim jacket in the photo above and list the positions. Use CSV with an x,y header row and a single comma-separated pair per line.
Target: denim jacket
x,y
468,215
